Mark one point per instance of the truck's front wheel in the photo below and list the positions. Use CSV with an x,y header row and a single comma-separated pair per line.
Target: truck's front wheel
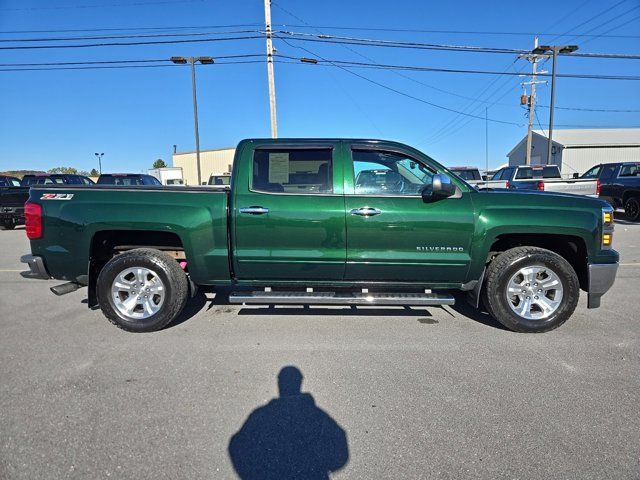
x,y
531,289
142,290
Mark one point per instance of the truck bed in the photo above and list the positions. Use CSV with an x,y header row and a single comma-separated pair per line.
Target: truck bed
x,y
196,216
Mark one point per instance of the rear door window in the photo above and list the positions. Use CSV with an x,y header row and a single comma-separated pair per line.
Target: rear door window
x,y
592,172
293,171
607,171
630,170
508,173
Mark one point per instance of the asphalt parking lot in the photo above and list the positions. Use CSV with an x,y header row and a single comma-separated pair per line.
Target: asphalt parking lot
x,y
393,393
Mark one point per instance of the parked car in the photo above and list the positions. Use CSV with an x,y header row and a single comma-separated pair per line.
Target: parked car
x,y
541,178
470,174
12,200
222,179
55,178
127,179
9,181
167,175
297,222
619,184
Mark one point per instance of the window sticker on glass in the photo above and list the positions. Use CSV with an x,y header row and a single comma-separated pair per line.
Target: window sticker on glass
x,y
278,167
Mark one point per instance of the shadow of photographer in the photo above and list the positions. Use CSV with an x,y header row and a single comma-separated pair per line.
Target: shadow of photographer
x,y
290,437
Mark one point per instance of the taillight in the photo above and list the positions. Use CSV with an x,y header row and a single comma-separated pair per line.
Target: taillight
x,y
541,185
33,220
598,188
508,185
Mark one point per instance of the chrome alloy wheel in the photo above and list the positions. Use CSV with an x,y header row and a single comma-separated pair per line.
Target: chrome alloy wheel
x,y
534,293
137,293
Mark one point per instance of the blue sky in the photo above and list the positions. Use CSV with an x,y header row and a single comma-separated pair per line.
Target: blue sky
x,y
60,118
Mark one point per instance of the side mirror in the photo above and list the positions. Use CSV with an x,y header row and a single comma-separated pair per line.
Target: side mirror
x,y
441,187
575,175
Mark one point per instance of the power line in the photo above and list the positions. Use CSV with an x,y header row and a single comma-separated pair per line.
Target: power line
x,y
221,57
466,71
108,37
414,30
612,29
309,37
133,29
317,27
569,13
608,21
97,67
105,62
299,36
399,92
454,124
597,15
73,7
114,44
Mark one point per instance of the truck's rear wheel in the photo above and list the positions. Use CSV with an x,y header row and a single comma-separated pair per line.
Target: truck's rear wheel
x,y
531,289
632,208
142,290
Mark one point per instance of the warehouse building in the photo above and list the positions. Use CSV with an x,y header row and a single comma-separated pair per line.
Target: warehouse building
x,y
212,162
576,151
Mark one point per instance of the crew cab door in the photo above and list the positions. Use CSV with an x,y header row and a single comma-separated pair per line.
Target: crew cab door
x,y
288,213
393,235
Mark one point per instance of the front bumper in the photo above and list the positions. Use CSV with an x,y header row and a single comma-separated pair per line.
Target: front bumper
x,y
601,278
13,215
37,268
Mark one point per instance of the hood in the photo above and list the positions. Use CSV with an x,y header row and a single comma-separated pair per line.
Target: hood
x,y
532,198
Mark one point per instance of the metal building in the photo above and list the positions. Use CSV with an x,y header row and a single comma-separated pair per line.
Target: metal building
x,y
576,151
212,162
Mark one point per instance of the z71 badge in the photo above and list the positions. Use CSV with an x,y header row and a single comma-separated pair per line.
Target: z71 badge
x,y
57,196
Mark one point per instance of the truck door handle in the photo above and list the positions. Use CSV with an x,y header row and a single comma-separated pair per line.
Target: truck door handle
x,y
366,211
254,210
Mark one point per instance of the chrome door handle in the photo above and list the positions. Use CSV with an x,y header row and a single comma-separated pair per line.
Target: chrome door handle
x,y
366,211
254,210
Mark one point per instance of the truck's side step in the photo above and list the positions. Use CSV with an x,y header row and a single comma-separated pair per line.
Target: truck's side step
x,y
334,298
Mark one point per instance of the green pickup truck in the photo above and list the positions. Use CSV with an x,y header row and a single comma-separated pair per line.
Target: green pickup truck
x,y
324,222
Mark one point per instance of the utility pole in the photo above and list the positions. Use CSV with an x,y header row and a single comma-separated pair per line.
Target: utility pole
x,y
554,50
272,83
192,61
532,100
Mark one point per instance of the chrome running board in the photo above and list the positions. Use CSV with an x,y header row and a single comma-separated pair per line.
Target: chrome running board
x,y
334,298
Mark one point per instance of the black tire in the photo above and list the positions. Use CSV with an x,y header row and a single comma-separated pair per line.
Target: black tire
x,y
9,225
506,265
632,208
168,271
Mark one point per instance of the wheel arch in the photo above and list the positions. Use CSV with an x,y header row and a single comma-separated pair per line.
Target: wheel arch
x,y
570,247
105,244
630,194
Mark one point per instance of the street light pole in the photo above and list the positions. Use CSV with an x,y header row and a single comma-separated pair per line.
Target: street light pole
x,y
99,155
195,115
192,61
554,50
